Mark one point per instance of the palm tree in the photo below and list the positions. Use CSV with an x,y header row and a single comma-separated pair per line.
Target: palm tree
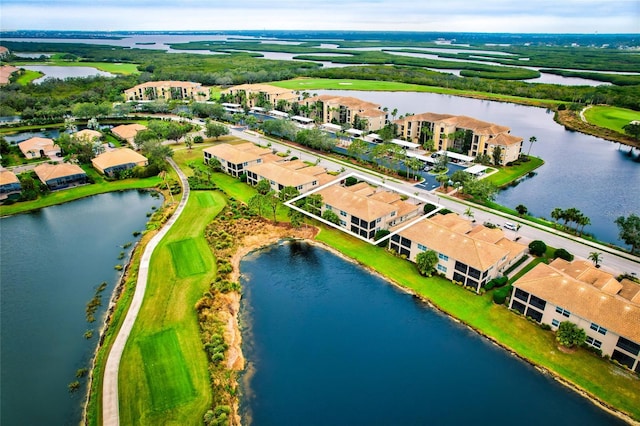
x,y
557,214
532,140
596,257
469,213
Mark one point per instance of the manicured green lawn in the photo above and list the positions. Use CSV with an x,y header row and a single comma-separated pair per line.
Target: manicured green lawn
x,y
165,370
614,385
609,117
186,258
309,84
508,174
169,304
28,76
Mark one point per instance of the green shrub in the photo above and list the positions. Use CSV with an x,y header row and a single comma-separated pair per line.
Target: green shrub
x,y
537,248
350,181
500,295
428,208
198,139
562,254
570,335
381,234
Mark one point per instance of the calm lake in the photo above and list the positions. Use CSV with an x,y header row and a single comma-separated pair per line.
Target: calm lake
x,y
592,174
327,343
52,262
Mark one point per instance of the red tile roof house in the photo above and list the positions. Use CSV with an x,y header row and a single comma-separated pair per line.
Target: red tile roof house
x,y
59,176
39,148
127,132
112,162
9,184
607,309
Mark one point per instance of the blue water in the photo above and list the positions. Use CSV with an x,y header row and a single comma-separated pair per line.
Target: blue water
x,y
52,261
328,343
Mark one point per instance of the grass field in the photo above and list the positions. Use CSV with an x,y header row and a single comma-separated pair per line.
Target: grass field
x,y
169,304
309,84
28,76
610,117
166,371
614,385
186,258
508,174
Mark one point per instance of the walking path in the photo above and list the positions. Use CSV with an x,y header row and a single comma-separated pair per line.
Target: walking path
x,y
110,406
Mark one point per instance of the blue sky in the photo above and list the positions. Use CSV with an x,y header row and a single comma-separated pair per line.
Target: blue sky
x,y
537,16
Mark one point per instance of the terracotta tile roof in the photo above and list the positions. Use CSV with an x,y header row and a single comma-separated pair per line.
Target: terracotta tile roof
x,y
36,144
47,172
453,222
615,313
479,127
88,134
7,177
630,291
127,131
312,170
354,104
237,154
431,117
264,88
118,157
490,235
281,175
468,250
584,271
355,203
166,83
504,139
405,208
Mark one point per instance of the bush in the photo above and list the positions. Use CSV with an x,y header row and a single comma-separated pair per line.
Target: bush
x,y
562,254
496,282
444,211
570,335
243,177
380,234
428,208
198,139
537,248
501,294
350,181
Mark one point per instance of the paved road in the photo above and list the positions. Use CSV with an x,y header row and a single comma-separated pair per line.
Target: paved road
x,y
613,261
110,407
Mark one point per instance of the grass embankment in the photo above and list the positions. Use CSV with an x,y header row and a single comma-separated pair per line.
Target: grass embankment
x,y
163,373
99,187
615,386
27,76
609,117
571,120
506,175
308,84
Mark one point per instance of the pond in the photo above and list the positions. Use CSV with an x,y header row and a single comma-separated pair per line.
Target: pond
x,y
59,72
596,176
328,343
52,262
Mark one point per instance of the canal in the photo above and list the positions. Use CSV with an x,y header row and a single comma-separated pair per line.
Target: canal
x,y
53,260
329,343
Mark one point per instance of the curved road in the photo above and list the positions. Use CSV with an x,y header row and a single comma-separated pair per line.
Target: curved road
x,y
110,407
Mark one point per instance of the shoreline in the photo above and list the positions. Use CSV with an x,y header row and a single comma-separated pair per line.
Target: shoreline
x,y
243,251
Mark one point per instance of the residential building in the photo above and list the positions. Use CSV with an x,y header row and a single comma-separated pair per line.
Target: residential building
x,y
168,90
128,132
9,184
364,209
471,136
607,309
295,173
59,176
88,135
39,148
235,159
111,162
345,109
471,255
260,95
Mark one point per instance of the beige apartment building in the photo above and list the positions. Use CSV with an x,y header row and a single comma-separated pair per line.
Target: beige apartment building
x,y
473,137
168,90
346,109
471,255
296,174
235,159
257,95
607,309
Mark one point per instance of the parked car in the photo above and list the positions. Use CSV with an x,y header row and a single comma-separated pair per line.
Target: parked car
x,y
509,225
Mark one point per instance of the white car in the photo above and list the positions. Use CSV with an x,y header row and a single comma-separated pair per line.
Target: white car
x,y
509,225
